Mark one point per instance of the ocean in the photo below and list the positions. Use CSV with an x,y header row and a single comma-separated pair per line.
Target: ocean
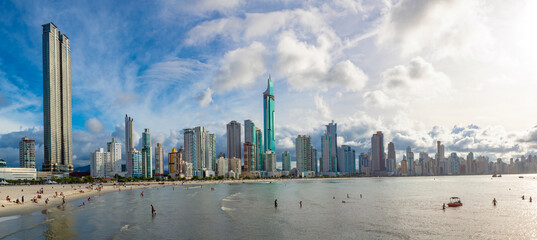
x,y
390,208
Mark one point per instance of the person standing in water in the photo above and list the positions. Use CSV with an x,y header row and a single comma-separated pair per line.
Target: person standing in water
x,y
153,212
276,203
142,194
444,206
300,204
494,201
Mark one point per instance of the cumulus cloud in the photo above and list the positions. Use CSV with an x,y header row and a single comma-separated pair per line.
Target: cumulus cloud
x,y
94,125
322,108
240,67
205,97
440,27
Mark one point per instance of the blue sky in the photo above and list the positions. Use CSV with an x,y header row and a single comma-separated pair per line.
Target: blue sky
x,y
457,71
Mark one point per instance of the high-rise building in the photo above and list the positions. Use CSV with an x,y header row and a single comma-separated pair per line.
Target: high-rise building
x,y
377,153
200,136
129,144
137,165
174,161
329,148
222,166
469,163
286,161
234,140
313,166
259,146
27,153
249,157
159,160
303,153
249,131
210,152
410,160
114,148
57,100
349,162
439,157
190,152
99,160
391,157
147,158
270,161
234,164
268,110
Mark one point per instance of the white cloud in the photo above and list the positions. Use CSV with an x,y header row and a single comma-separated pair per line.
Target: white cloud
x,y
347,74
94,125
322,108
205,97
240,68
439,27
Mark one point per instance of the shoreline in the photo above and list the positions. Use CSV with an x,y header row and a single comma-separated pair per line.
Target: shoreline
x,y
72,191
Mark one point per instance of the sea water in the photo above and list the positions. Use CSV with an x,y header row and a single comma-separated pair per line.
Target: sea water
x,y
390,208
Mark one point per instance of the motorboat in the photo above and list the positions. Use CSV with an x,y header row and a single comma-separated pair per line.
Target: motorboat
x,y
520,176
454,202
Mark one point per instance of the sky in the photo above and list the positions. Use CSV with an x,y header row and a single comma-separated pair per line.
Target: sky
x,y
457,71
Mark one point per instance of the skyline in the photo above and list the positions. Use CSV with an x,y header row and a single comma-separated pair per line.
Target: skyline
x,y
321,71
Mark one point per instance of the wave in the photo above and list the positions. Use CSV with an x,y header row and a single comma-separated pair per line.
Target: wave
x,y
3,219
226,209
124,228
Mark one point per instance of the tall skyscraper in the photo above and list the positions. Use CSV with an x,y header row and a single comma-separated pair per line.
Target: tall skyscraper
x,y
190,152
114,148
175,158
249,157
129,144
210,152
313,162
159,160
469,163
377,152
27,153
329,148
410,160
234,140
268,110
439,157
249,131
57,100
200,137
137,163
286,161
259,146
391,157
147,158
270,161
99,160
303,153
347,160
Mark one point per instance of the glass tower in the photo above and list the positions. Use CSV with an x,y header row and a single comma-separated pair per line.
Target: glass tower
x,y
57,100
147,161
268,107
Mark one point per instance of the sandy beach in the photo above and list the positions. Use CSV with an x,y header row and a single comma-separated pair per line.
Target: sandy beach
x,y
73,192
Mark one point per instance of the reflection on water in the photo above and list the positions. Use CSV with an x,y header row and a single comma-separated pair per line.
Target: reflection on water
x,y
60,223
391,208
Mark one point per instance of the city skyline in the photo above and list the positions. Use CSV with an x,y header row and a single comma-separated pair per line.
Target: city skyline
x,y
413,97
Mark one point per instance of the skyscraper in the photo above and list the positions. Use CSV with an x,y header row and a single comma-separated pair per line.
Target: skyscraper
x,y
313,162
347,159
114,148
303,153
200,137
329,148
159,160
391,157
190,151
268,110
137,165
175,159
377,152
147,161
259,158
286,161
469,162
27,153
439,157
57,100
129,144
410,160
99,160
234,140
249,157
210,152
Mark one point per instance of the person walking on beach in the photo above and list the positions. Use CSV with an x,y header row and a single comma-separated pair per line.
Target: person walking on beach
x,y
22,200
276,203
494,201
46,202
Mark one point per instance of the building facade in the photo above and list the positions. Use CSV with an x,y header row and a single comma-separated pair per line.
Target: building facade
x,y
159,159
234,140
129,144
99,163
268,116
114,148
147,157
27,153
286,161
378,162
249,157
303,153
57,101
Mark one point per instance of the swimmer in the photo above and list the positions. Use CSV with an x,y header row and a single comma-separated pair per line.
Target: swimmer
x,y
494,201
276,203
300,204
142,194
153,211
348,196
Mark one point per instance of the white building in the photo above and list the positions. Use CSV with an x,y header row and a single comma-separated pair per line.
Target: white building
x,y
98,162
114,148
270,161
222,166
234,165
8,173
159,159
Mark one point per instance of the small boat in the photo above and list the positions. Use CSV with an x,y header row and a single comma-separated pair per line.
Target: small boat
x,y
520,176
454,202
500,175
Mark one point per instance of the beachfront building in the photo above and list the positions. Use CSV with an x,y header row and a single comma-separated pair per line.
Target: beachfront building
x,y
249,157
129,144
27,153
114,148
99,160
377,154
210,153
286,161
147,158
270,163
346,160
57,101
391,161
258,148
303,153
268,116
7,173
234,167
159,159
137,165
222,166
329,160
174,161
200,150
234,139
